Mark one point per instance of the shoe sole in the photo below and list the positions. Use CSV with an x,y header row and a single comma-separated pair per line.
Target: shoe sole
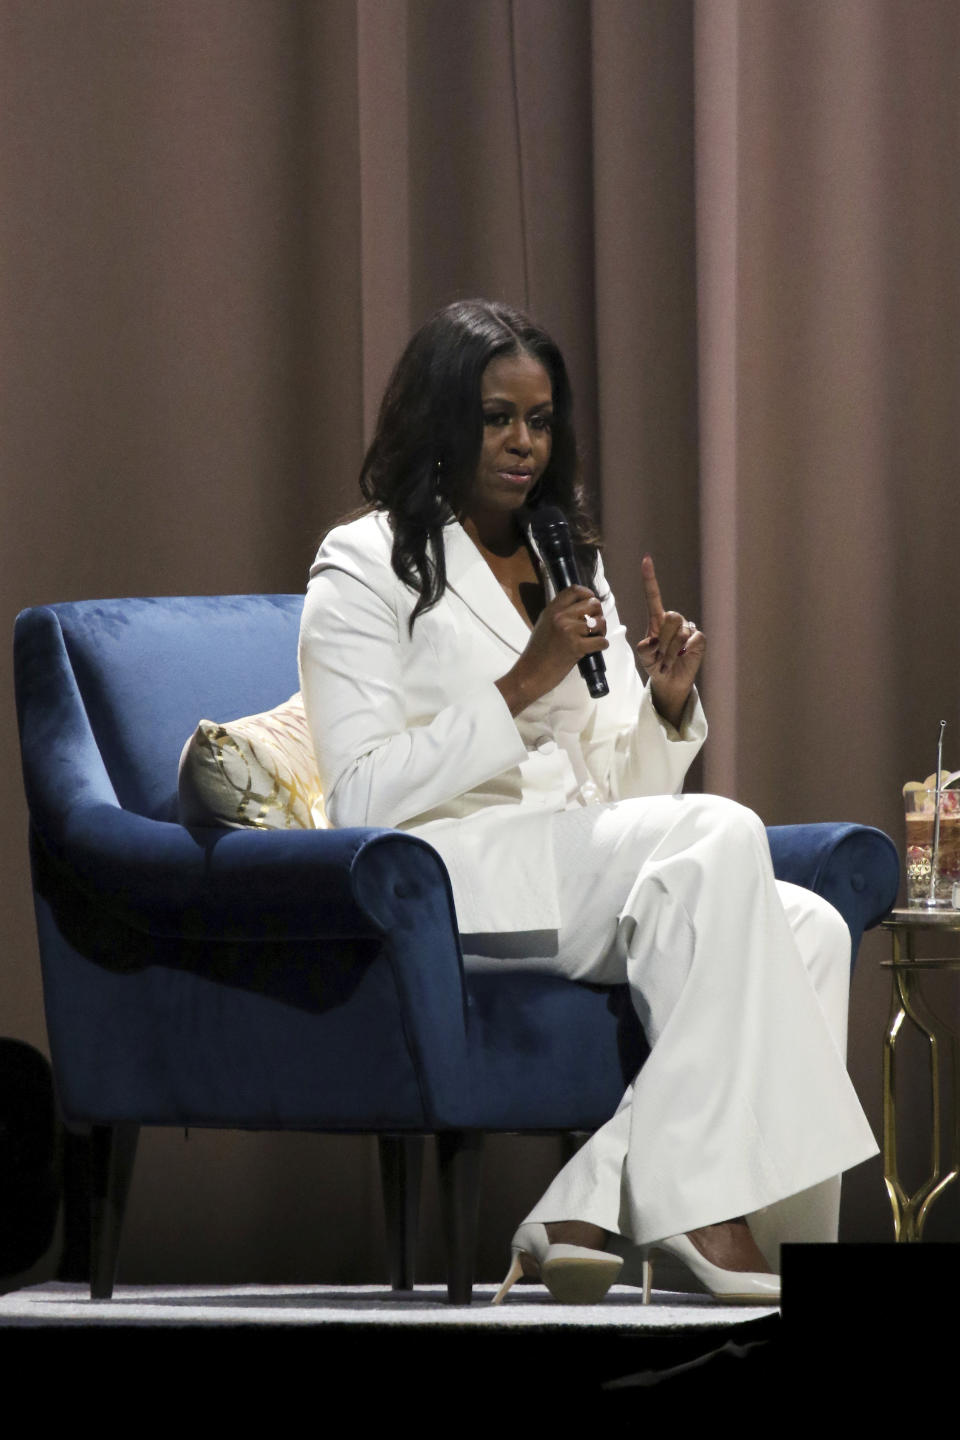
x,y
579,1282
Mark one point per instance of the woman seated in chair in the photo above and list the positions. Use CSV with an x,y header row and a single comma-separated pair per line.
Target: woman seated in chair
x,y
440,677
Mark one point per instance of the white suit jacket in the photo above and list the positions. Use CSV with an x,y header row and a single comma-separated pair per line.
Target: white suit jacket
x,y
410,730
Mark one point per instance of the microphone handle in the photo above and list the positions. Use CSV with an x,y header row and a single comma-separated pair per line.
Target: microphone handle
x,y
563,571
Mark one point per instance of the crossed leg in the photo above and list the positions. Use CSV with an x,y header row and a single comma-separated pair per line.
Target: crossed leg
x,y
744,1106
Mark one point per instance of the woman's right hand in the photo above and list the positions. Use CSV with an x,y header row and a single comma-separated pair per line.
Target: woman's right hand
x,y
560,638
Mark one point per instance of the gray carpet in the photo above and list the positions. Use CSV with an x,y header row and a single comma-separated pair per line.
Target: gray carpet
x,y
527,1307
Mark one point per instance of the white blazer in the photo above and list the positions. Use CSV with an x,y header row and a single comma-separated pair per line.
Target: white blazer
x,y
410,730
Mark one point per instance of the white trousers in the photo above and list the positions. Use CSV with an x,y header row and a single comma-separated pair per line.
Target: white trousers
x,y
741,983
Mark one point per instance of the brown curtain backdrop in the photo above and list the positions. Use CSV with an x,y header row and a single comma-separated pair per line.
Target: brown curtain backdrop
x,y
220,220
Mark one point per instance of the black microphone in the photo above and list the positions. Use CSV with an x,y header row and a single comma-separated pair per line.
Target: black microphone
x,y
552,534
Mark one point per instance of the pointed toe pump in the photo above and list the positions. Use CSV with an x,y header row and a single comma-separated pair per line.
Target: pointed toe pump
x,y
731,1287
573,1274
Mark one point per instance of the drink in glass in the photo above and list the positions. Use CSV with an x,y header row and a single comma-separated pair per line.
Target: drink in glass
x,y
920,810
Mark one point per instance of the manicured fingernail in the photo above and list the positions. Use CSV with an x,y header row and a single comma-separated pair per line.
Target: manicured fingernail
x,y
682,652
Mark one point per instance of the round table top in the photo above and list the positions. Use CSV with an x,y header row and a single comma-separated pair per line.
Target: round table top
x,y
916,917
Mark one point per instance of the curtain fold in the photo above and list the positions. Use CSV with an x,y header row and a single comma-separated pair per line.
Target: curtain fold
x,y
644,223
828,249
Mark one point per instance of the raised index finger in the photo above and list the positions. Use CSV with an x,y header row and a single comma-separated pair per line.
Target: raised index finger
x,y
652,592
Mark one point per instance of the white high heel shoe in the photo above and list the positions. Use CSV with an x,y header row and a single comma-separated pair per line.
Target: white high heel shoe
x,y
573,1274
732,1287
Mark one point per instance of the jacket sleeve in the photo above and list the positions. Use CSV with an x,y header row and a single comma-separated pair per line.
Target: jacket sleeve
x,y
377,764
630,749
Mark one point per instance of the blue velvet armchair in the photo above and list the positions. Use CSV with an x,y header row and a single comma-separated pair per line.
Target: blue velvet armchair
x,y
298,980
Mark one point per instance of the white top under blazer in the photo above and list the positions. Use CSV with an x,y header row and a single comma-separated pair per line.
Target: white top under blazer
x,y
411,731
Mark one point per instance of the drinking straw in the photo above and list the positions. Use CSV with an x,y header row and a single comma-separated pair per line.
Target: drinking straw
x,y
935,858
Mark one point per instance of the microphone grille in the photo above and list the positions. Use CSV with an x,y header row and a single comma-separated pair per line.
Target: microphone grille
x,y
549,526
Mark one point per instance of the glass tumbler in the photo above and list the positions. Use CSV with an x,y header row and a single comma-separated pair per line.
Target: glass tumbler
x,y
920,812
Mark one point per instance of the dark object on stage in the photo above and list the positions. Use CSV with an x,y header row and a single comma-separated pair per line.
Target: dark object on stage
x,y
854,1311
29,1171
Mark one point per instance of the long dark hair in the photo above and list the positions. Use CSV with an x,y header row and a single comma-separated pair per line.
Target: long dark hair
x,y
421,464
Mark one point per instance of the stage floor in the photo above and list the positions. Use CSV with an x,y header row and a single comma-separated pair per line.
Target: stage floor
x,y
530,1354
526,1307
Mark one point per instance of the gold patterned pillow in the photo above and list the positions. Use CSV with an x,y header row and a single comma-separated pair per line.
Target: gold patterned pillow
x,y
258,771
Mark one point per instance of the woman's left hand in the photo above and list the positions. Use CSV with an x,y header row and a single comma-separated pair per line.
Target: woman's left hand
x,y
670,652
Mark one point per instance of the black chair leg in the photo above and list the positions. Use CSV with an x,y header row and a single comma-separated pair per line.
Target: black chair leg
x,y
401,1167
459,1156
113,1149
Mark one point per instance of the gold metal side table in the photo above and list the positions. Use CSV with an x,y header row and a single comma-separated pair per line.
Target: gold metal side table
x,y
907,1003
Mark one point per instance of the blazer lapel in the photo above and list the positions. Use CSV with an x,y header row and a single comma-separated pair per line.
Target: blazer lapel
x,y
471,578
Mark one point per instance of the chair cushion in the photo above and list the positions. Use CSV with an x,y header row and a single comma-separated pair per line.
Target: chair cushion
x,y
257,771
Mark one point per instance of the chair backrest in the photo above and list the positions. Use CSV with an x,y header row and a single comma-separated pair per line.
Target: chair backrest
x,y
146,671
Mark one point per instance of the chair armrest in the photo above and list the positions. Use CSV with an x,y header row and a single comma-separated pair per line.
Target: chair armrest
x,y
165,880
287,885
855,867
